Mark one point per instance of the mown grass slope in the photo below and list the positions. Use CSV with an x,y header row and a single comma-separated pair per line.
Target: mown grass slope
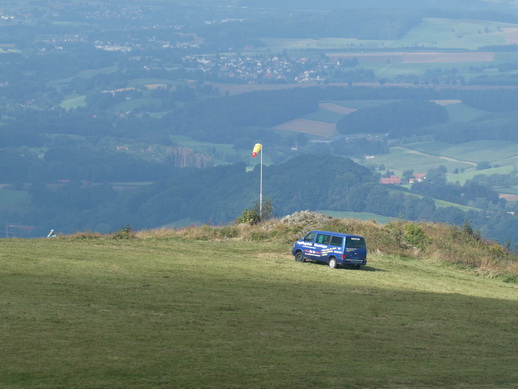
x,y
214,307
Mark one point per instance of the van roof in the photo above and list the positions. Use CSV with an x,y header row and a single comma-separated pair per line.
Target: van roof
x,y
336,233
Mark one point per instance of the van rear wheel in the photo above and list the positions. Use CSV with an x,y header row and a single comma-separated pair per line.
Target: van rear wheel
x,y
332,263
299,257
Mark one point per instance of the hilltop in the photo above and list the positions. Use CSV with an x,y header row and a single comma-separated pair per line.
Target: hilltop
x,y
460,247
227,306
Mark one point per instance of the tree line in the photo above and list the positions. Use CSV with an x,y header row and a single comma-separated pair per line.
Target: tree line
x,y
219,195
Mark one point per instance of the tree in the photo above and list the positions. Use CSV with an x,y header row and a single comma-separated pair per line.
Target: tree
x,y
482,165
408,174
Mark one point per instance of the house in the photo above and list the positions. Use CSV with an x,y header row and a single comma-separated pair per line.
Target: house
x,y
395,180
417,177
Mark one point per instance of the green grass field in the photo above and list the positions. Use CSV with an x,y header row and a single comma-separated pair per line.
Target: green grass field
x,y
400,159
324,115
73,101
456,33
476,151
171,313
432,32
460,112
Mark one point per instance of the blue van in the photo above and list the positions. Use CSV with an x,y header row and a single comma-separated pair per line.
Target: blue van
x,y
332,248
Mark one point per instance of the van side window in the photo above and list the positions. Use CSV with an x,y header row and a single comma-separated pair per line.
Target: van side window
x,y
355,243
336,241
324,239
309,237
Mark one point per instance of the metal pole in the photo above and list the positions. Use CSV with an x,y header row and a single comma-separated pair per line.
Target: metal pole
x,y
261,187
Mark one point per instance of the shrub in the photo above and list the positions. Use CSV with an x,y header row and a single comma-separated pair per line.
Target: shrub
x,y
124,233
415,236
248,217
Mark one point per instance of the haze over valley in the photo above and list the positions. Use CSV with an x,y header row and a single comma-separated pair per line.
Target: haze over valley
x,y
144,114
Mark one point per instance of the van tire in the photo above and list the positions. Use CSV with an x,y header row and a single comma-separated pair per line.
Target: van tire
x,y
332,263
299,257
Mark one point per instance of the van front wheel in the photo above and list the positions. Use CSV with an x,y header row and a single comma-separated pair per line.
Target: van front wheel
x,y
299,257
332,263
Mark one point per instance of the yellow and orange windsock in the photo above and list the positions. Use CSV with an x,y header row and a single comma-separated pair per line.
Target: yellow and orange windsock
x,y
257,149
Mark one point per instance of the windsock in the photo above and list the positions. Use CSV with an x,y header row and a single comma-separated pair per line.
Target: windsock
x,y
257,149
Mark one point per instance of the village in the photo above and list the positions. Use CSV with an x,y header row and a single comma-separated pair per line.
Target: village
x,y
407,179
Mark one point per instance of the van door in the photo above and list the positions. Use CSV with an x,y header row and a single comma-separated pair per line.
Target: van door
x,y
308,245
322,247
355,249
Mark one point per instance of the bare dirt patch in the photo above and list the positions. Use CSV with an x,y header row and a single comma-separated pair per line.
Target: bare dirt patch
x,y
306,126
508,197
337,108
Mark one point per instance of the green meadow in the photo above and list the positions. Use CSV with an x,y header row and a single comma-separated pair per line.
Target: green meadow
x,y
324,115
456,33
190,312
460,112
74,101
430,33
476,151
401,158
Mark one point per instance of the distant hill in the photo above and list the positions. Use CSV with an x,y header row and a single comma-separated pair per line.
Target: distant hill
x,y
341,4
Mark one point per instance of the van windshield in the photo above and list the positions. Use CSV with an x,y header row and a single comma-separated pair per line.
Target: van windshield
x,y
309,237
354,242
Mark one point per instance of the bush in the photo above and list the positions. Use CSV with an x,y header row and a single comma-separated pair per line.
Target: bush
x,y
124,233
415,236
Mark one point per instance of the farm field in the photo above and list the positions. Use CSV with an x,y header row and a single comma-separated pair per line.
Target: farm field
x,y
462,177
401,158
431,33
457,33
328,114
422,156
497,152
73,101
154,312
460,112
311,127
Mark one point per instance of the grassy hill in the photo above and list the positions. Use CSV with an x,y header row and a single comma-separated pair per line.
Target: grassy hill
x,y
213,307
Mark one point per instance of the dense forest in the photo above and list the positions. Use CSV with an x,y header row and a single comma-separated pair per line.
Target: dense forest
x,y
219,195
396,119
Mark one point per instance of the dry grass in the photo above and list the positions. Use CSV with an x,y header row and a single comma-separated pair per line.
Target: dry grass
x,y
427,241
